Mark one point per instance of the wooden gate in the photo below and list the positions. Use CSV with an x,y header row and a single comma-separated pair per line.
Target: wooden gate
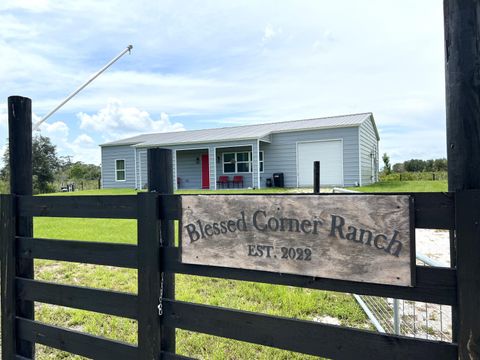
x,y
154,257
157,258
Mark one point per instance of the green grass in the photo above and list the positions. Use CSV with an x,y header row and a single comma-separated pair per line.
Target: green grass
x,y
404,186
270,299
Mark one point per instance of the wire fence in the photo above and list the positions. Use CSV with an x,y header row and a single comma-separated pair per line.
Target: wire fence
x,y
409,318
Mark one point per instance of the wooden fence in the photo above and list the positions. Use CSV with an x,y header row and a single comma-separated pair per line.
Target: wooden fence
x,y
154,256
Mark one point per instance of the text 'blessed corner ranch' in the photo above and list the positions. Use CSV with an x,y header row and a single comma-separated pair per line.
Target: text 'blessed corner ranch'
x,y
337,227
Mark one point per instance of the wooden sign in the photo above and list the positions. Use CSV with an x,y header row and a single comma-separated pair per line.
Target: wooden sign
x,y
367,238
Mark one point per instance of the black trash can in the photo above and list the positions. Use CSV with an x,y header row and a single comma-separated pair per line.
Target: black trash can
x,y
278,180
269,182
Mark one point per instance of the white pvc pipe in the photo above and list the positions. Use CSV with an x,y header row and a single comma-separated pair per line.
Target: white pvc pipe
x,y
93,77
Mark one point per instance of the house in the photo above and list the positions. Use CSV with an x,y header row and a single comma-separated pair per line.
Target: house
x,y
346,146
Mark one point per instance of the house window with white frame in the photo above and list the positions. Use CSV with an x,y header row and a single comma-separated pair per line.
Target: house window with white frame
x,y
240,162
243,161
120,170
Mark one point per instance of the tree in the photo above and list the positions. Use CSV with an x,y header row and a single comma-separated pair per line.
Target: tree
x,y
398,168
80,171
414,165
387,167
440,164
429,165
45,164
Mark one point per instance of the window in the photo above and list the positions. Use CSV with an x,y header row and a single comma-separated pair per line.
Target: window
x,y
243,162
229,163
240,162
119,170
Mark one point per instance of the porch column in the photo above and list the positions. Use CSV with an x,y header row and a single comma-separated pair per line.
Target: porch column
x,y
255,166
212,167
174,164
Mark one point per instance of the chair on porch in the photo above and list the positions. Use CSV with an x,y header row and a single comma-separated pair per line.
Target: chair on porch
x,y
237,180
223,180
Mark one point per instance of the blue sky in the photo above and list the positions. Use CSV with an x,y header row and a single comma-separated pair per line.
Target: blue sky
x,y
199,64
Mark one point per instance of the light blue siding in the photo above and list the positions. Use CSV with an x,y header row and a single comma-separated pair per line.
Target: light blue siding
x,y
280,155
247,178
368,148
189,168
109,155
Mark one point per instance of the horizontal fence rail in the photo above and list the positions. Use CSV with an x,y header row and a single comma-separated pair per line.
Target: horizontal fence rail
x,y
99,206
301,336
75,342
102,301
111,254
436,285
432,210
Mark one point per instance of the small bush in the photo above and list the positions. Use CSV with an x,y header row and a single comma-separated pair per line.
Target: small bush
x,y
414,176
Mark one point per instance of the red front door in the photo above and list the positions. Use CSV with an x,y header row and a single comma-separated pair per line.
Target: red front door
x,y
205,172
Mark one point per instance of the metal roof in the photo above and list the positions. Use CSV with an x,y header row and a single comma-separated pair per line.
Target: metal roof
x,y
244,132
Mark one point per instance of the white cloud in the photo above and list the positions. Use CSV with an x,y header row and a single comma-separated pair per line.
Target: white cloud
x,y
3,115
55,130
83,140
269,32
116,120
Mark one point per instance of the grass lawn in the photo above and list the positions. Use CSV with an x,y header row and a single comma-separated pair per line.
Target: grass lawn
x,y
404,186
270,299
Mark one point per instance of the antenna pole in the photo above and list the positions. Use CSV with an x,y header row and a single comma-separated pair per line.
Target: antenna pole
x,y
93,77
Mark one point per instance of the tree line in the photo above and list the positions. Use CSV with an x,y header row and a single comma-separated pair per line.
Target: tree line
x,y
50,171
414,165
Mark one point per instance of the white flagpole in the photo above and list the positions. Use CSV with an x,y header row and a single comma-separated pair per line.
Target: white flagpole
x,y
94,76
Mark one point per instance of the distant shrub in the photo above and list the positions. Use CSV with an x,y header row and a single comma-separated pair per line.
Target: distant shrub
x,y
415,176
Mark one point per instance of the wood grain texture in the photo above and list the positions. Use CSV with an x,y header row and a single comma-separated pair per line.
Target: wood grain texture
x,y
149,277
160,175
462,53
468,270
275,233
432,284
7,273
21,184
99,253
102,301
75,342
433,210
83,206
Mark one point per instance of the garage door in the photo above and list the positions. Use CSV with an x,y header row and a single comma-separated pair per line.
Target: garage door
x,y
330,155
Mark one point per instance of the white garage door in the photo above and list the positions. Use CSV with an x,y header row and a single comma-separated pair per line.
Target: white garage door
x,y
330,155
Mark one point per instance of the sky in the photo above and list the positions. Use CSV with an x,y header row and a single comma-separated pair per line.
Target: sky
x,y
205,64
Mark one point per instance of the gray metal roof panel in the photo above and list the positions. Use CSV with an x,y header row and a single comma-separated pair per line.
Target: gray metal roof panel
x,y
239,132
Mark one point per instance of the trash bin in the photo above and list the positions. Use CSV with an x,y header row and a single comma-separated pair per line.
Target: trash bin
x,y
269,182
278,180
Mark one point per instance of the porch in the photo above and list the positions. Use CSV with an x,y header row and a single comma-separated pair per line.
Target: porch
x,y
218,167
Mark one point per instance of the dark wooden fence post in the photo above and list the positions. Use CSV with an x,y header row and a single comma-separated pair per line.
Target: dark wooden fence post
x,y
149,277
462,51
316,177
160,180
20,148
7,238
